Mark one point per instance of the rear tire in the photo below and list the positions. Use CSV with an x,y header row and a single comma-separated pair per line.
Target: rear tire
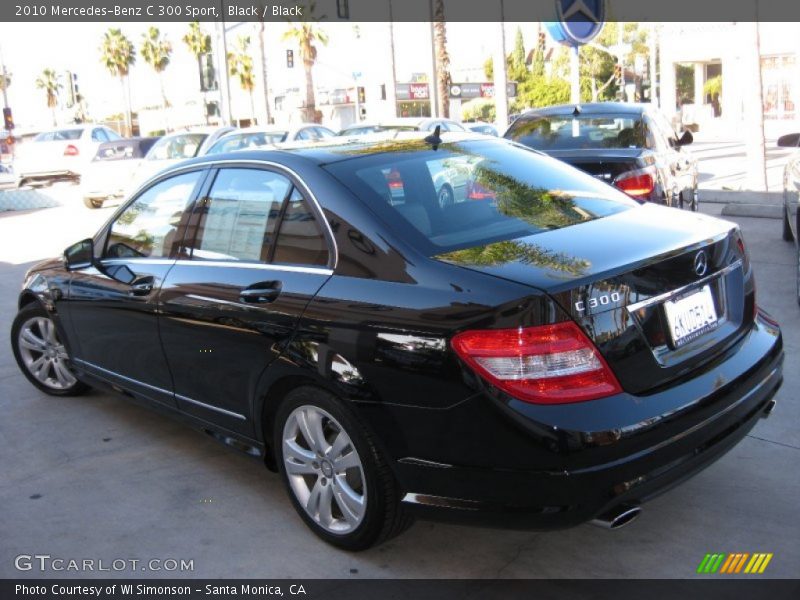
x,y
340,486
787,228
446,196
41,355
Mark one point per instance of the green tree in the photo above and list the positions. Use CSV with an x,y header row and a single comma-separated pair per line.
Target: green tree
x,y
199,44
48,81
118,56
307,34
518,70
240,65
156,51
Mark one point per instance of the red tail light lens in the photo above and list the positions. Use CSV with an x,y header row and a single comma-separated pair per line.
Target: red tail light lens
x,y
475,191
637,184
71,150
550,364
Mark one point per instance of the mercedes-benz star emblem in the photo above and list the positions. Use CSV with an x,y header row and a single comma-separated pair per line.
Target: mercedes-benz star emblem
x,y
700,263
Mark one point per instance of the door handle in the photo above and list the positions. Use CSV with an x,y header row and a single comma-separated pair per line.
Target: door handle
x,y
141,286
261,293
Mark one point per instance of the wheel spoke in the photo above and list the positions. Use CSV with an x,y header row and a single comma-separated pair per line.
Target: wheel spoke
x,y
341,442
347,461
350,503
312,506
63,375
39,368
326,505
315,425
31,341
302,422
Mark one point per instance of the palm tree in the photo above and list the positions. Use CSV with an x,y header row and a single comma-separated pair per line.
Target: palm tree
x,y
118,55
48,81
240,64
307,33
156,51
442,59
199,44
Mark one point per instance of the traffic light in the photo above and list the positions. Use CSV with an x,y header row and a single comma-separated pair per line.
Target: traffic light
x,y
208,75
290,59
8,119
10,140
362,96
541,41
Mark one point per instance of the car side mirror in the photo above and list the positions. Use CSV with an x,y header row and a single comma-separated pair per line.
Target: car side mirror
x,y
80,255
686,138
791,140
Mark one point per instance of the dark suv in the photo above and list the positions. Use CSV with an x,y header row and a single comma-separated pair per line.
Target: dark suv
x,y
544,352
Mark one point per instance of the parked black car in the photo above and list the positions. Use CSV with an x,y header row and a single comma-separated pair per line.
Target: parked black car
x,y
542,354
791,197
631,146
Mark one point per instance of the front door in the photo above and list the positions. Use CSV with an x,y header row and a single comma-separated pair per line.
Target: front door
x,y
257,255
112,307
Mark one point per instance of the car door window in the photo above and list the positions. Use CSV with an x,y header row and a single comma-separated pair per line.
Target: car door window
x,y
304,134
112,135
238,218
300,237
323,133
148,227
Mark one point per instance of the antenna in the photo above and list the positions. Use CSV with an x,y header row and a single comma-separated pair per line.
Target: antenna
x,y
434,139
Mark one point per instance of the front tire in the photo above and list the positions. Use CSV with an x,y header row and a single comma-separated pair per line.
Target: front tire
x,y
336,478
41,355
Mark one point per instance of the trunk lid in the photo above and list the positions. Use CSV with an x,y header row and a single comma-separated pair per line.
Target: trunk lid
x,y
615,275
604,164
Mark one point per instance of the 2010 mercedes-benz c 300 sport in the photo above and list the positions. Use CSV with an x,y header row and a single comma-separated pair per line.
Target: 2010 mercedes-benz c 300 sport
x,y
537,351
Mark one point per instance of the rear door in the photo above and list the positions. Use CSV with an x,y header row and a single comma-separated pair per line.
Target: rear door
x,y
258,252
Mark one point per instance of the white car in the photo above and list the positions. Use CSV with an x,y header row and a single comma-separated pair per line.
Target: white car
x,y
59,154
175,147
109,175
258,137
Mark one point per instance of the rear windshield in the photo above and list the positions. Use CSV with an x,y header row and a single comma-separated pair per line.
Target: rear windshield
x,y
473,193
567,132
180,146
62,135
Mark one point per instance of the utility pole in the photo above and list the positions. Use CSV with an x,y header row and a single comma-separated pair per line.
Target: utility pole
x,y
653,74
575,75
3,75
500,76
754,111
391,92
224,80
621,60
433,86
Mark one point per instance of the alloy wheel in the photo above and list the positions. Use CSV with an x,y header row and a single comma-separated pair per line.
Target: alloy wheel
x,y
324,469
43,354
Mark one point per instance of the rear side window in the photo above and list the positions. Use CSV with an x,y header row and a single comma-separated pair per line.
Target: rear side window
x,y
149,226
300,241
239,216
177,146
474,193
576,132
256,215
61,135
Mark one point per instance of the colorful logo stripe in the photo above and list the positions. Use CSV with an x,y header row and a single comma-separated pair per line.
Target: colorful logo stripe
x,y
737,562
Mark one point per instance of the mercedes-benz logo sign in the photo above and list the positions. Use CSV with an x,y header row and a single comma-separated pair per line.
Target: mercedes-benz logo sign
x,y
700,263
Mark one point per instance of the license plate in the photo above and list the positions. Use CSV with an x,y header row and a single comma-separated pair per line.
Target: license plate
x,y
691,316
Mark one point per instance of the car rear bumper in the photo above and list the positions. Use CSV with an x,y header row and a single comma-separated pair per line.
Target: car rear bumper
x,y
595,467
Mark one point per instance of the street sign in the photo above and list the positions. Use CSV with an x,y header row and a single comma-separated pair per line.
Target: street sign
x,y
467,91
578,21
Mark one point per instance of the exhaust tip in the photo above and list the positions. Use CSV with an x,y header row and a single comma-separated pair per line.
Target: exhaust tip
x,y
769,408
617,517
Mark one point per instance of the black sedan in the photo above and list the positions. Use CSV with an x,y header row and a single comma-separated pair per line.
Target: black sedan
x,y
540,354
791,197
631,146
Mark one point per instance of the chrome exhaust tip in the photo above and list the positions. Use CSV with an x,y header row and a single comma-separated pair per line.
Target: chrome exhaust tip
x,y
769,408
617,517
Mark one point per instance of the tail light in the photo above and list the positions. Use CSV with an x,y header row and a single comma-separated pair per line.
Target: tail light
x,y
549,364
746,266
71,150
637,184
395,181
475,191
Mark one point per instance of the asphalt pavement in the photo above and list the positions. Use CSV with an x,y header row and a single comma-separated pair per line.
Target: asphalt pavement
x,y
100,478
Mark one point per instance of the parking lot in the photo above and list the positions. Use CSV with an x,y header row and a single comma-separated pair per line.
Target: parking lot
x,y
98,477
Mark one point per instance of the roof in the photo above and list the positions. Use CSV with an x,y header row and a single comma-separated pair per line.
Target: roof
x,y
338,149
591,108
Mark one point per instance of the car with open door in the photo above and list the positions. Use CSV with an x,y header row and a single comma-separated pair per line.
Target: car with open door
x,y
546,353
630,146
791,197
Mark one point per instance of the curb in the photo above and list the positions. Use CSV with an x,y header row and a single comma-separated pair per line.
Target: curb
x,y
763,211
740,197
25,200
